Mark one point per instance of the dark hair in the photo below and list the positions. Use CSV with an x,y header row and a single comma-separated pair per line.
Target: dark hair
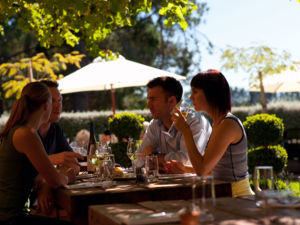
x,y
50,83
170,85
216,89
107,132
32,97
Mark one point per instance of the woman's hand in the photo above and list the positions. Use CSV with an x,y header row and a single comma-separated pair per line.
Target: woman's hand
x,y
179,120
45,199
69,172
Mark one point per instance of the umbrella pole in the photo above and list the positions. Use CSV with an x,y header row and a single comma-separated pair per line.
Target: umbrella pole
x,y
113,99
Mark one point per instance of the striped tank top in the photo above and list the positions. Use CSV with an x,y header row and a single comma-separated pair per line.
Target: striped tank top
x,y
233,165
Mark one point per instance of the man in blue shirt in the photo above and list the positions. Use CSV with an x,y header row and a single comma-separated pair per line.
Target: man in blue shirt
x,y
58,149
52,135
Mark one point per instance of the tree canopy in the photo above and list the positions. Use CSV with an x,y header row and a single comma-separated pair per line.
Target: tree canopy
x,y
258,62
38,67
55,22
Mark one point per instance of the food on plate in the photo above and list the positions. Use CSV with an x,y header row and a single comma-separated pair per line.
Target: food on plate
x,y
121,173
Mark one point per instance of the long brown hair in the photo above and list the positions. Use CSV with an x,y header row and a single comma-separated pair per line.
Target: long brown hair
x,y
33,96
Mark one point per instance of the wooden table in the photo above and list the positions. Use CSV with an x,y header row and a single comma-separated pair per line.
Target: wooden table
x,y
76,201
228,211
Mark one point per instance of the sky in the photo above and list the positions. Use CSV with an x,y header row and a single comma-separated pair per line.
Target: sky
x,y
245,23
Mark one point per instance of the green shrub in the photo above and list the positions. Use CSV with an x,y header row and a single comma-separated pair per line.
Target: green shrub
x,y
119,150
273,155
125,125
263,130
74,122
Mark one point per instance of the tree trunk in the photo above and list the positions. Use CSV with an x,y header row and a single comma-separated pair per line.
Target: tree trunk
x,y
29,71
262,93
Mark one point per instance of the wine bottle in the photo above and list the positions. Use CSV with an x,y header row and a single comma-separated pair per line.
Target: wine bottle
x,y
92,147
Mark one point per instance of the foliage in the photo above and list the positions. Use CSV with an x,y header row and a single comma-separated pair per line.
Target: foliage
x,y
280,184
181,50
119,150
125,125
258,62
273,155
256,59
18,74
263,129
56,22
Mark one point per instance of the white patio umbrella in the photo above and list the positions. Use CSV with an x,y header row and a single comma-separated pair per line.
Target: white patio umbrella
x,y
286,81
105,75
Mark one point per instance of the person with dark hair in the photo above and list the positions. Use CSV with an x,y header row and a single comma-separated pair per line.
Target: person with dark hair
x,y
226,152
22,157
58,149
161,137
52,135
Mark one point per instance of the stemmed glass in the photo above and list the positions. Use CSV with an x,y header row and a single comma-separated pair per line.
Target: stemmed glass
x,y
132,146
186,108
96,161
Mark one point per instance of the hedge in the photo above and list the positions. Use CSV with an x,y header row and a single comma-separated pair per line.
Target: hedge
x,y
72,122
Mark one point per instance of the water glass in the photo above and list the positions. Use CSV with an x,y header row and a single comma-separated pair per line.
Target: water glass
x,y
151,166
207,197
263,178
263,185
110,157
136,161
106,170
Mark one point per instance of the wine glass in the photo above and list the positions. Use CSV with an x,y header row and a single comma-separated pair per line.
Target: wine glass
x,y
96,162
132,146
186,108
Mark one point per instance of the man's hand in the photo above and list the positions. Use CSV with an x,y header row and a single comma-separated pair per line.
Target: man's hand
x,y
65,158
176,167
148,150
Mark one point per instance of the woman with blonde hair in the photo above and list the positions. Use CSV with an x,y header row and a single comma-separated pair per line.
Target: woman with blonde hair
x,y
22,156
226,153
